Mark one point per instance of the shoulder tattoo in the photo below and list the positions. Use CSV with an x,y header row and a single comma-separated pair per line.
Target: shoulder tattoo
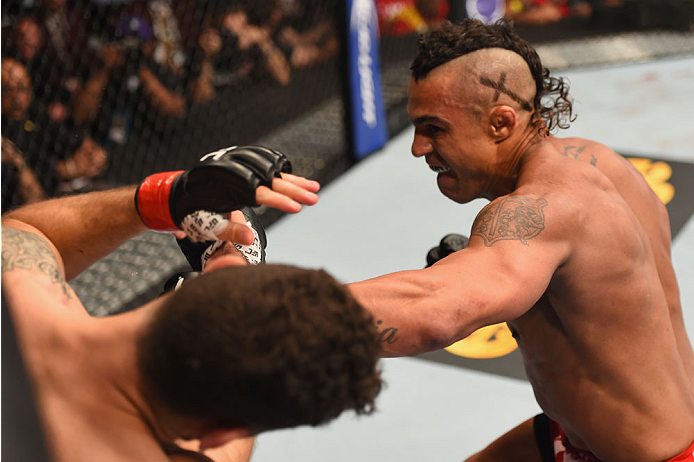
x,y
574,152
27,251
518,218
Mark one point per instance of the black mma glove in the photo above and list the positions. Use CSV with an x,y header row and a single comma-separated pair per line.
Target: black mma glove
x,y
449,244
222,181
197,253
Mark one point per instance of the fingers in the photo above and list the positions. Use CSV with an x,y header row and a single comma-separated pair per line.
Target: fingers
x,y
266,196
237,216
288,193
309,185
297,189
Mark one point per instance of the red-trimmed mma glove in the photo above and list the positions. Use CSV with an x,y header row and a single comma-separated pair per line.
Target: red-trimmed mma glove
x,y
194,200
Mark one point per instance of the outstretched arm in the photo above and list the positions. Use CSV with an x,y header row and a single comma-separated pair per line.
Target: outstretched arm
x,y
496,278
85,228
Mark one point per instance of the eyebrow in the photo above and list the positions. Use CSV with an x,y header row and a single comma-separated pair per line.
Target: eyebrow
x,y
429,119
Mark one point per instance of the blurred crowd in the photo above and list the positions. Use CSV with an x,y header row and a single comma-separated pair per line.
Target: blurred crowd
x,y
403,17
81,77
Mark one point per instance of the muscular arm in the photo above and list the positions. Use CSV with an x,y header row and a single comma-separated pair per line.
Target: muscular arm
x,y
87,227
505,269
83,228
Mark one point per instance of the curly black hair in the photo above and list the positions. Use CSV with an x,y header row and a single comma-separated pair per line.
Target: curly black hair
x,y
452,40
262,347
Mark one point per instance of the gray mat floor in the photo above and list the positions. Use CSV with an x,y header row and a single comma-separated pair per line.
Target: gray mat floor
x,y
385,213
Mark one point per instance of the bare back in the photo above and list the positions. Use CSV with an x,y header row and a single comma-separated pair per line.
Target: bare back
x,y
84,411
605,348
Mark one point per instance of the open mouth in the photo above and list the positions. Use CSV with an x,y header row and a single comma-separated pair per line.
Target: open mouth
x,y
439,169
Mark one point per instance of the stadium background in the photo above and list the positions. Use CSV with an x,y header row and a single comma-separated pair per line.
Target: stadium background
x,y
122,89
301,104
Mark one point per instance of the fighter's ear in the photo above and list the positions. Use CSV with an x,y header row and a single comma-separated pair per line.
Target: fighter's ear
x,y
221,436
502,123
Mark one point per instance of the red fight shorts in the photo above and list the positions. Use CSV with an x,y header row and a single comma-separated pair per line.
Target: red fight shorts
x,y
554,446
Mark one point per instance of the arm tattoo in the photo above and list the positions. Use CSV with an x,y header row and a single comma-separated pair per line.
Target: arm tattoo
x,y
388,335
518,218
500,88
25,250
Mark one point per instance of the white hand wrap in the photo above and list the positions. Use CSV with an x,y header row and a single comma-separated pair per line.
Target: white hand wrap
x,y
203,226
252,253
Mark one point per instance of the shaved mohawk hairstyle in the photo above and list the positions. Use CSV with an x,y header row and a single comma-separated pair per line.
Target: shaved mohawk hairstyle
x,y
452,40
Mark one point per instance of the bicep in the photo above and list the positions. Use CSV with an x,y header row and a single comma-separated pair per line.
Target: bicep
x,y
509,264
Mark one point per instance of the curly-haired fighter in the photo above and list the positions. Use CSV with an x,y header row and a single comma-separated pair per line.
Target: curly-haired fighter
x,y
236,351
573,252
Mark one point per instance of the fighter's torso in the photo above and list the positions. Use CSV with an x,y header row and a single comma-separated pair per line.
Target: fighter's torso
x,y
605,347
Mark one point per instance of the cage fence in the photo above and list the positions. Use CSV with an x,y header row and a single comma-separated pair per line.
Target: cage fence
x,y
97,94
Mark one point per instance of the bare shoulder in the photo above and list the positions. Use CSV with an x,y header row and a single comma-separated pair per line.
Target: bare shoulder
x,y
585,150
29,259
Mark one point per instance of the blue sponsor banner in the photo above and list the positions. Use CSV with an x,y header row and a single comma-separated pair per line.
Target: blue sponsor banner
x,y
369,123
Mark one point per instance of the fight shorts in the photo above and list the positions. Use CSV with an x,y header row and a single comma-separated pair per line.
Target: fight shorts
x,y
555,447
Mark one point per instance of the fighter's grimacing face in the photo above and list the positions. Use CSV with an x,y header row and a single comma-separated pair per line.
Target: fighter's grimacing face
x,y
448,134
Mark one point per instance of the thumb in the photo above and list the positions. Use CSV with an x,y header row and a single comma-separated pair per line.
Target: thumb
x,y
238,233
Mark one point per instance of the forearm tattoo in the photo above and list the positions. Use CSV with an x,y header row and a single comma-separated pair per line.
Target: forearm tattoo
x,y
500,87
27,251
388,334
518,218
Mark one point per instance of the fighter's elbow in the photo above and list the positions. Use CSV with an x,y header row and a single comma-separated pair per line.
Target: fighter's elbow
x,y
447,327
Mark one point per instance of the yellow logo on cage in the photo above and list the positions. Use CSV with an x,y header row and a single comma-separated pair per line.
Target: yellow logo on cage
x,y
488,342
657,175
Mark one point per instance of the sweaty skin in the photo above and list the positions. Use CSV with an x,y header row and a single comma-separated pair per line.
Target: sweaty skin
x,y
573,252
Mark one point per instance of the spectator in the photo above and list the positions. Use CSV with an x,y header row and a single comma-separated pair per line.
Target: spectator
x,y
113,96
202,88
541,12
26,40
50,88
54,151
19,182
403,17
64,59
533,12
306,36
233,52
